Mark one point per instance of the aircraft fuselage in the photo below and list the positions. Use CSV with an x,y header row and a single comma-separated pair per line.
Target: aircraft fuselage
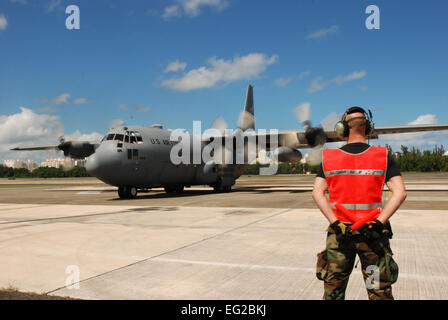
x,y
140,157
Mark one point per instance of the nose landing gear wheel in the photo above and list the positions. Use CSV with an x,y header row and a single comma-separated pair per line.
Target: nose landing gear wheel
x,y
221,189
127,192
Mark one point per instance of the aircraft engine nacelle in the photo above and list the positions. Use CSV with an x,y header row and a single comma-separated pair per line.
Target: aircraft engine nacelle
x,y
77,150
285,154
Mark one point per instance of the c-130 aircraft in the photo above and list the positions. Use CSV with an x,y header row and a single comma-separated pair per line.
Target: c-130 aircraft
x,y
137,157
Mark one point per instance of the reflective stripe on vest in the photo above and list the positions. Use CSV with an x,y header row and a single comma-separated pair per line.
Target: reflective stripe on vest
x,y
354,172
359,206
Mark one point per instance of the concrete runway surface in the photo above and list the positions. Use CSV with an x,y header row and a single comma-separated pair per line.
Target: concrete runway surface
x,y
258,242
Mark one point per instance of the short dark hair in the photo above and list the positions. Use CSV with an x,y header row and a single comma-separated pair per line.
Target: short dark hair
x,y
354,109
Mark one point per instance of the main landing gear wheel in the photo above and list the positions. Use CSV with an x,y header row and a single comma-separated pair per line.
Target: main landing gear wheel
x,y
221,189
174,189
127,192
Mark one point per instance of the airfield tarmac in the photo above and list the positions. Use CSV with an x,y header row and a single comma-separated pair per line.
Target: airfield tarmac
x,y
258,242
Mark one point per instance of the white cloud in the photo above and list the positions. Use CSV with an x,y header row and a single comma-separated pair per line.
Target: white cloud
x,y
30,129
28,126
171,11
176,66
81,101
46,109
62,98
319,83
283,82
220,70
143,109
323,32
53,5
122,107
303,75
416,139
115,123
349,77
78,136
3,22
425,119
192,8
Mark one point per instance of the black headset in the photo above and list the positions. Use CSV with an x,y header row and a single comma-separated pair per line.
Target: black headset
x,y
342,128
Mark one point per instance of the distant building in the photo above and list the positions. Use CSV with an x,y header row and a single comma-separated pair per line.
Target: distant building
x,y
67,163
20,164
53,163
31,165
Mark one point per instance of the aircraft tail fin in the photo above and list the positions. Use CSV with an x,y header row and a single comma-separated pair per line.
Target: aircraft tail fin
x,y
247,119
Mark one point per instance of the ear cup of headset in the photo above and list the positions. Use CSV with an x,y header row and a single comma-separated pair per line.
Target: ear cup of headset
x,y
342,128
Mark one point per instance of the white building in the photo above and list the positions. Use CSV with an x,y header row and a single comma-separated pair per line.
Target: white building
x,y
18,164
67,163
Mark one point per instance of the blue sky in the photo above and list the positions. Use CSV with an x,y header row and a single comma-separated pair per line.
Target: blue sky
x,y
116,65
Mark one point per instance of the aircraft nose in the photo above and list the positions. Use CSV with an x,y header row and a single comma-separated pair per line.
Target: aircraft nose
x,y
92,165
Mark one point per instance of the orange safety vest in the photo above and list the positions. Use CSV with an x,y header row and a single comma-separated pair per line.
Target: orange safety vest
x,y
355,180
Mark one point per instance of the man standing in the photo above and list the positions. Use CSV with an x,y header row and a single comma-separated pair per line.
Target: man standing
x,y
354,176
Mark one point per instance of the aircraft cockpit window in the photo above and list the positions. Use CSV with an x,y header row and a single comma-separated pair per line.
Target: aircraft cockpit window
x,y
133,139
139,137
119,137
126,139
110,136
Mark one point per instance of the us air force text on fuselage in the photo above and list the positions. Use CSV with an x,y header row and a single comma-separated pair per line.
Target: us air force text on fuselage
x,y
230,310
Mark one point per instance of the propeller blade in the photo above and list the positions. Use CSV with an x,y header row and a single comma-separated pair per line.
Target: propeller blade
x,y
303,113
330,121
219,124
246,120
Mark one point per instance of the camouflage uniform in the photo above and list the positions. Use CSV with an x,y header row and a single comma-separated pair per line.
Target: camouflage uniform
x,y
335,263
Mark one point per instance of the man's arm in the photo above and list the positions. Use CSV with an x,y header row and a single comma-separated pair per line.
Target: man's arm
x,y
398,190
320,186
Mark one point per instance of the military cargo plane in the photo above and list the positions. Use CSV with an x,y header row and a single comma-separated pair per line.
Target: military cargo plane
x,y
133,158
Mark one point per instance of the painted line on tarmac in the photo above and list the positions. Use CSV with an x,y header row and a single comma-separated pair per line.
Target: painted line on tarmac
x,y
233,265
89,192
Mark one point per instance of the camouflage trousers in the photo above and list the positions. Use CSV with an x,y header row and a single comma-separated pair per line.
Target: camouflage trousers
x,y
336,262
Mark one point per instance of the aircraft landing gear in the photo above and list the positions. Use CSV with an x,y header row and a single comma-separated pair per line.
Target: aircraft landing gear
x,y
221,189
174,189
127,192
224,184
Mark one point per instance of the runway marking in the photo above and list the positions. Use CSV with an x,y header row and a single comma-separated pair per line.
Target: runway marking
x,y
233,265
434,278
89,192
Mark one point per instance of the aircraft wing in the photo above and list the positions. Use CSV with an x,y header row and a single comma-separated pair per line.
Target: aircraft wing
x,y
296,139
410,128
36,148
74,149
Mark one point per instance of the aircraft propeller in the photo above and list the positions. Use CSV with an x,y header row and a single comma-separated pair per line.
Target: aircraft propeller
x,y
315,136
